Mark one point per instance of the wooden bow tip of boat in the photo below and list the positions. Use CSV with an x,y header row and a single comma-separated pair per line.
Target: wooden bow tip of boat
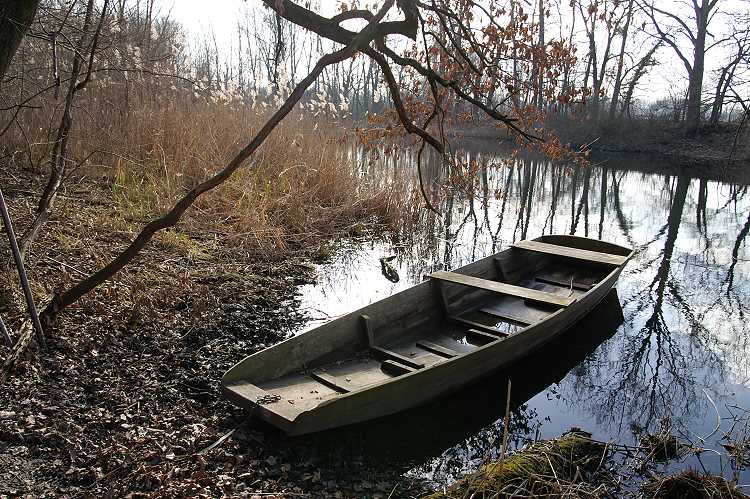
x,y
430,339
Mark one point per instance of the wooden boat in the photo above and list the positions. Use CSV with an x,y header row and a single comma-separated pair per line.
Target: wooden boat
x,y
428,340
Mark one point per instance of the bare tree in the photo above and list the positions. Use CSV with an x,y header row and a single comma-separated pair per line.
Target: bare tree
x,y
741,51
673,28
620,61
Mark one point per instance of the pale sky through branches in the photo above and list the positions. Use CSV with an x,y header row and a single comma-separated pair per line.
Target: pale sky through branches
x,y
669,77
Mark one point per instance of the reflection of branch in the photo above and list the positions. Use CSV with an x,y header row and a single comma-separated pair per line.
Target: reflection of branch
x,y
729,280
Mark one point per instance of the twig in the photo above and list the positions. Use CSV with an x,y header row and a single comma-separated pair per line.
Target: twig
x,y
67,266
718,416
26,333
392,491
220,441
4,331
506,422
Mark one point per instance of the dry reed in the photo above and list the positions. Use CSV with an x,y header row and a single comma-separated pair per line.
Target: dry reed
x,y
302,187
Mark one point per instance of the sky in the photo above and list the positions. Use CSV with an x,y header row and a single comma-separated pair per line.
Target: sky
x,y
221,18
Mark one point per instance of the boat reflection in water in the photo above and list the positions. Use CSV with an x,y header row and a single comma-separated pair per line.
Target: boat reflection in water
x,y
446,437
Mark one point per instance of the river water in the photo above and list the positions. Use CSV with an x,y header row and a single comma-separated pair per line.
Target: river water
x,y
669,349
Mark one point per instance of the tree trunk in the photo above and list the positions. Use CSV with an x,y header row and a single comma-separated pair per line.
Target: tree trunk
x,y
721,88
620,60
640,70
542,57
516,84
695,86
15,18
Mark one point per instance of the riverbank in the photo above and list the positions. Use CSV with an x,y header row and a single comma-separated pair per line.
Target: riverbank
x,y
719,152
126,397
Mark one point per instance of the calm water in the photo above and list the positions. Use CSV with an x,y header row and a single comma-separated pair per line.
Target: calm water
x,y
670,346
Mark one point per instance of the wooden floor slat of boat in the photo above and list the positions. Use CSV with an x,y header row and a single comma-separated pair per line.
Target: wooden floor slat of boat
x,y
357,373
299,390
448,353
478,325
409,348
480,337
515,309
395,356
505,316
330,381
395,369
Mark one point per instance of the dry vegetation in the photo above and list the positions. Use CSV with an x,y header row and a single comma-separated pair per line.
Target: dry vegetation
x,y
569,466
302,191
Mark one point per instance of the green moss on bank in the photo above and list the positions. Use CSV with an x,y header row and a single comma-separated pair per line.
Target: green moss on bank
x,y
544,468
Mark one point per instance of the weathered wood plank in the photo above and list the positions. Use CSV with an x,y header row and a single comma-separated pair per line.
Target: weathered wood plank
x,y
580,254
560,282
502,288
401,359
329,381
483,336
506,317
367,327
395,369
437,349
478,325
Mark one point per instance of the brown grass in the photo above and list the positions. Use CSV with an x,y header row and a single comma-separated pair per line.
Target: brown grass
x,y
131,158
300,186
561,467
690,484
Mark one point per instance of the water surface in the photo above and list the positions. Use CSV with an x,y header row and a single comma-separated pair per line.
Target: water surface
x,y
670,348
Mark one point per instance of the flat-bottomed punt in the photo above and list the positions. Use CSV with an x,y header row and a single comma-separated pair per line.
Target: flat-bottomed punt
x,y
429,340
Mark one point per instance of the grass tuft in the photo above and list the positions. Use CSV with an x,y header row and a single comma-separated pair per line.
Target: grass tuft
x,y
690,484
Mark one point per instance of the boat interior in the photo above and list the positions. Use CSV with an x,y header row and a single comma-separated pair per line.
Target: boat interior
x,y
482,303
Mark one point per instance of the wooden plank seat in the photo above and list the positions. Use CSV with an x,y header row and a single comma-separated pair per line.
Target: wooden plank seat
x,y
568,252
503,288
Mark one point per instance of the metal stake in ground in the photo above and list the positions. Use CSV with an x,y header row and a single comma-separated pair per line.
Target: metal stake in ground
x,y
21,272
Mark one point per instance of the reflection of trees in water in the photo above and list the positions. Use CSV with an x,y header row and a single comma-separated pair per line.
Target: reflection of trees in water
x,y
663,364
735,256
669,349
582,205
684,295
682,321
